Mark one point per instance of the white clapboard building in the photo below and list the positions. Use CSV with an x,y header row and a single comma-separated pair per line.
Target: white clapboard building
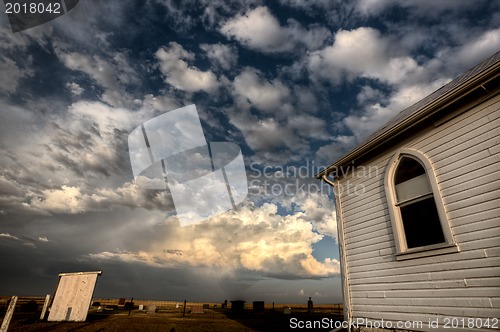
x,y
418,212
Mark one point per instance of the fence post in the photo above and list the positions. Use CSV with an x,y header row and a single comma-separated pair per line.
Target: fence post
x,y
8,314
184,311
45,306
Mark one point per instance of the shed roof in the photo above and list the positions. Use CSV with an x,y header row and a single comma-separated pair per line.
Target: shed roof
x,y
429,105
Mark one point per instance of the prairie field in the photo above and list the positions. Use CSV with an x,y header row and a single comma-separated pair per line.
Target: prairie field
x,y
107,315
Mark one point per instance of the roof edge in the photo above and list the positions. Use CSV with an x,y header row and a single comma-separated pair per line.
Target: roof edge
x,y
79,273
432,107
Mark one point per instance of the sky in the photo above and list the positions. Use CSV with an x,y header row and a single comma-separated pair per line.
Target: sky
x,y
294,83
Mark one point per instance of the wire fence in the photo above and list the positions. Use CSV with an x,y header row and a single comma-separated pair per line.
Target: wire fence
x,y
35,304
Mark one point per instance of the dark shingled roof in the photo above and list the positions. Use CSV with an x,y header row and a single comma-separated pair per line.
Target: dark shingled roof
x,y
419,110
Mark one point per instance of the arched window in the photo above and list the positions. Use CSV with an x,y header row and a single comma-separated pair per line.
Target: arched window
x,y
415,201
417,214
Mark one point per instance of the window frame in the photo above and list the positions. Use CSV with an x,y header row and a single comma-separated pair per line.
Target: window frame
x,y
402,250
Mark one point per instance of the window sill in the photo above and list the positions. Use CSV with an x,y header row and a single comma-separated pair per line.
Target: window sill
x,y
432,250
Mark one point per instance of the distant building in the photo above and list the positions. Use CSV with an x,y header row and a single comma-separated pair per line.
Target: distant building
x,y
418,212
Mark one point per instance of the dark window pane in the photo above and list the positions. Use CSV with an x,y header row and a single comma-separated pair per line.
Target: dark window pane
x,y
421,223
408,168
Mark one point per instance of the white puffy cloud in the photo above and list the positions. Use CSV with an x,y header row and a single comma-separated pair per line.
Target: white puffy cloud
x,y
374,115
90,138
11,75
319,211
364,52
75,163
221,56
251,89
368,94
472,51
8,236
72,200
265,134
112,72
308,126
280,130
259,30
75,89
173,62
335,149
361,52
64,200
278,141
250,238
157,104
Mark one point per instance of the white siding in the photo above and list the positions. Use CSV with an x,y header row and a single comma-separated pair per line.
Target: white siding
x,y
465,154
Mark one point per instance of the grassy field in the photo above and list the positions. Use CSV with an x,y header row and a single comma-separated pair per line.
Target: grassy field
x,y
170,317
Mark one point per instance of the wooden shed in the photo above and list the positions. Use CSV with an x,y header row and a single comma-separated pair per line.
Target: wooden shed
x,y
418,212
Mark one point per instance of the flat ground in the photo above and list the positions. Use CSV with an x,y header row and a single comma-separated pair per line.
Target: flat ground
x,y
210,320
